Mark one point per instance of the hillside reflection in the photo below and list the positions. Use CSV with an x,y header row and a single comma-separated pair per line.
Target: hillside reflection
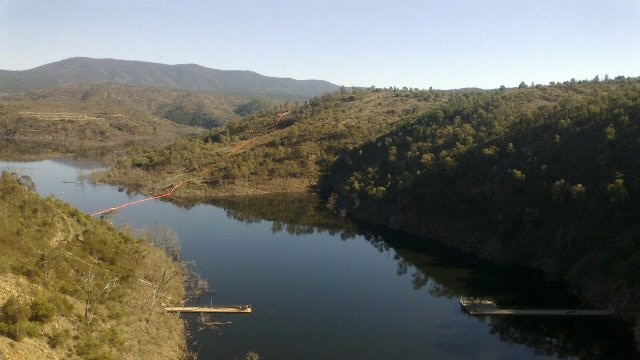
x,y
444,272
38,149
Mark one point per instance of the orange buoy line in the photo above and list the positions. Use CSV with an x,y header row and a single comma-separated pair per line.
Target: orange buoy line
x,y
138,201
280,117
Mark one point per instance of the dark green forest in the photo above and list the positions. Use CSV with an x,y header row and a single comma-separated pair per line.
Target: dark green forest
x,y
546,177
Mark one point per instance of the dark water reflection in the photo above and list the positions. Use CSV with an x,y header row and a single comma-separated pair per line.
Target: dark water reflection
x,y
449,273
31,149
325,288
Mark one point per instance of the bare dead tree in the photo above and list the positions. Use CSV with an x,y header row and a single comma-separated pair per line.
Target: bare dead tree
x,y
158,291
207,322
197,285
95,293
166,239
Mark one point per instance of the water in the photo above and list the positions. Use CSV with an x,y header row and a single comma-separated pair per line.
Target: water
x,y
323,288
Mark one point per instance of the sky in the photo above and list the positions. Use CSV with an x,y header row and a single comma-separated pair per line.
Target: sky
x,y
443,44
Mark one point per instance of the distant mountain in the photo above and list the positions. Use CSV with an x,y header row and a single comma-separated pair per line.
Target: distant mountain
x,y
139,73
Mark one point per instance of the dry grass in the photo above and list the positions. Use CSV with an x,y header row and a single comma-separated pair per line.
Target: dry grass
x,y
52,255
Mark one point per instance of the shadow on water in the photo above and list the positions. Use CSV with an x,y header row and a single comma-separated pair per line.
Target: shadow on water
x,y
39,149
449,273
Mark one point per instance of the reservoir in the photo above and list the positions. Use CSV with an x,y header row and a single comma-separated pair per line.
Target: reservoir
x,y
322,287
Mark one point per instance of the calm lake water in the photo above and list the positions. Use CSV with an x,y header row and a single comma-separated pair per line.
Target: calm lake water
x,y
324,288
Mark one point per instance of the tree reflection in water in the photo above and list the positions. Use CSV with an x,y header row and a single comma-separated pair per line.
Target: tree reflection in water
x,y
448,273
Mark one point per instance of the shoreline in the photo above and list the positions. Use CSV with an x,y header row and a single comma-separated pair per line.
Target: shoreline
x,y
202,194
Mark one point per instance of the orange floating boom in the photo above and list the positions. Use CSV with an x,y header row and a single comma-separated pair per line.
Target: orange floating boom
x,y
138,201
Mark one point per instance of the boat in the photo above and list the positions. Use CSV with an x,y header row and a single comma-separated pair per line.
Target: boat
x,y
473,301
486,306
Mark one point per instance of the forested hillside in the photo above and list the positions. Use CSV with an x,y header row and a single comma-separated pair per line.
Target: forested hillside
x,y
282,150
75,287
546,176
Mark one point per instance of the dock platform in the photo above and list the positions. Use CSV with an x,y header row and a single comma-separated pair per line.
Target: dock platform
x,y
241,309
476,306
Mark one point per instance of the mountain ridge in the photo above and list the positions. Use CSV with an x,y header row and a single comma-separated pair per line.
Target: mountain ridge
x,y
180,76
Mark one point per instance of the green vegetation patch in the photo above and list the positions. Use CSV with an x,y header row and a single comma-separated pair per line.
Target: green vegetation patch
x,y
81,287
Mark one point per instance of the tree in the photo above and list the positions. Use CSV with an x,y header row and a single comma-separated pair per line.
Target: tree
x,y
610,132
15,314
94,292
158,291
27,182
617,191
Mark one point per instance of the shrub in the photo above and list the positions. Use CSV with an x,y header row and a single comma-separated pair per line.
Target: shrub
x,y
114,338
117,312
62,305
93,349
30,329
59,337
18,331
11,331
15,315
14,311
42,310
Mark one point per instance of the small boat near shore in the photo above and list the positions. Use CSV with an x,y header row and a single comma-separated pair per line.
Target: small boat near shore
x,y
487,306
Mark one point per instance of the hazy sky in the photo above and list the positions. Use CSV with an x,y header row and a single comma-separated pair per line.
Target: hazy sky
x,y
444,44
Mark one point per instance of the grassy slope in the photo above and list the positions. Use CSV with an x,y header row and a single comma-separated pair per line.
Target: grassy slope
x,y
103,117
246,157
54,261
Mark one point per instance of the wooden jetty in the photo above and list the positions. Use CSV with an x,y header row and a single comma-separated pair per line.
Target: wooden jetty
x,y
477,306
242,309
